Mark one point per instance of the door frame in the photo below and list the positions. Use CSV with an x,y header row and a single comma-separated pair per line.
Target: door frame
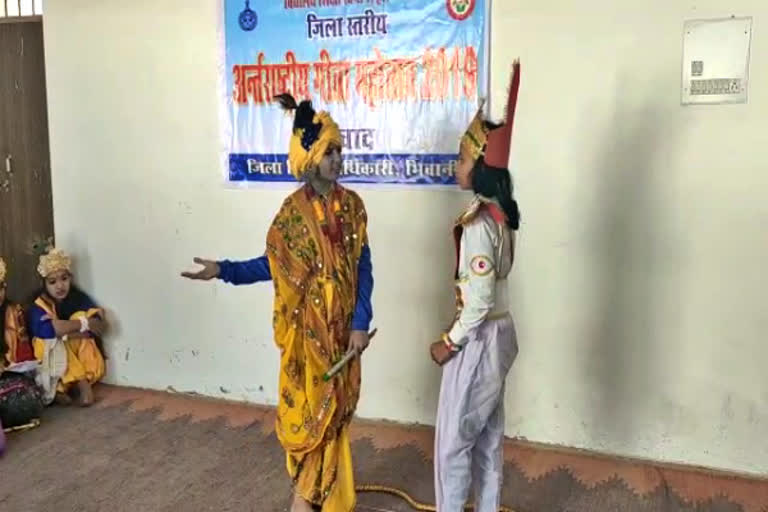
x,y
20,294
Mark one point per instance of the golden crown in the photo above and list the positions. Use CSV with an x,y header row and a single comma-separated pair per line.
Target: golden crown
x,y
54,261
475,137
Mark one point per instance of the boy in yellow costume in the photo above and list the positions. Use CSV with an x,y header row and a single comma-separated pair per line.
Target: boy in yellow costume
x,y
14,342
66,326
320,263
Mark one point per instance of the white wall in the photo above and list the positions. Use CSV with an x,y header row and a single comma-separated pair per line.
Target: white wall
x,y
639,291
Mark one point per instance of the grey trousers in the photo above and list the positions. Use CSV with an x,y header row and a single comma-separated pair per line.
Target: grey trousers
x,y
470,420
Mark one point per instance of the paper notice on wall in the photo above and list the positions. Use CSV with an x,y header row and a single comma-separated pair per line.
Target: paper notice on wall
x,y
716,61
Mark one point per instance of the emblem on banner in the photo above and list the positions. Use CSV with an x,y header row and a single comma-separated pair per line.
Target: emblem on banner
x,y
248,19
460,9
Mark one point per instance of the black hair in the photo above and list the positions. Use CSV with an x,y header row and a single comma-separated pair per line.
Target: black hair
x,y
495,183
71,304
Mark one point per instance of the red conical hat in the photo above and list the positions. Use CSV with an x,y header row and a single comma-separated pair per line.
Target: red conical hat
x,y
500,139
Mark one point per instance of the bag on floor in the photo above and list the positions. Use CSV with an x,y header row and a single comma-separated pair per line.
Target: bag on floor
x,y
20,400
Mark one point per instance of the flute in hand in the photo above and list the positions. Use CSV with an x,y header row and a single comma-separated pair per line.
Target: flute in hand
x,y
351,353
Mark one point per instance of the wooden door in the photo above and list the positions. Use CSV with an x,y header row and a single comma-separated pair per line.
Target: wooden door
x,y
26,209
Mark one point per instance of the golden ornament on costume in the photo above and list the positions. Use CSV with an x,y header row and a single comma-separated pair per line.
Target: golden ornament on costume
x,y
55,260
474,139
3,271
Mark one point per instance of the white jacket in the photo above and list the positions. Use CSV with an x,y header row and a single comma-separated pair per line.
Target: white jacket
x,y
485,252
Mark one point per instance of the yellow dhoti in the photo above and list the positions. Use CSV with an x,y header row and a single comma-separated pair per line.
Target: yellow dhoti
x,y
84,359
325,476
313,248
84,362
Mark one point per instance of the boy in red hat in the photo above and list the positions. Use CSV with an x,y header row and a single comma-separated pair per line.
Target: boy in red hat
x,y
478,351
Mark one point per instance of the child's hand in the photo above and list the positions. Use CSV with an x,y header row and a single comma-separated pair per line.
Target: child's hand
x,y
97,326
441,353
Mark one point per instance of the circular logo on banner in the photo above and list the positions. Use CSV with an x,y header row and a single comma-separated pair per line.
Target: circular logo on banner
x,y
248,19
460,9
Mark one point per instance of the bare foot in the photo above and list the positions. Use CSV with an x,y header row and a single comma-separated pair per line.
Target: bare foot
x,y
86,393
300,504
62,399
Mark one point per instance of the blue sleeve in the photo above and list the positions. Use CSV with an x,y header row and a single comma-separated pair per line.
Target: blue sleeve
x,y
38,327
245,272
361,320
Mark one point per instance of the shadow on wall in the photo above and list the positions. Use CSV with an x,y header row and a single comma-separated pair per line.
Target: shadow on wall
x,y
624,357
83,277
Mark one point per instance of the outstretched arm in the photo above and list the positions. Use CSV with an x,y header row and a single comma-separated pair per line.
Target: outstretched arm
x,y
233,272
245,272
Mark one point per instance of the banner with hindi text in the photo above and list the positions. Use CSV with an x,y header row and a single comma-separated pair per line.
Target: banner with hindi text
x,y
402,78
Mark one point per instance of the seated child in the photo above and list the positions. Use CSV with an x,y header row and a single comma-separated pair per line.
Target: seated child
x,y
66,328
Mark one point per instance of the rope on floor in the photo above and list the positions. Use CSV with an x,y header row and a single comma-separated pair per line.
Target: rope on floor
x,y
416,505
20,428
